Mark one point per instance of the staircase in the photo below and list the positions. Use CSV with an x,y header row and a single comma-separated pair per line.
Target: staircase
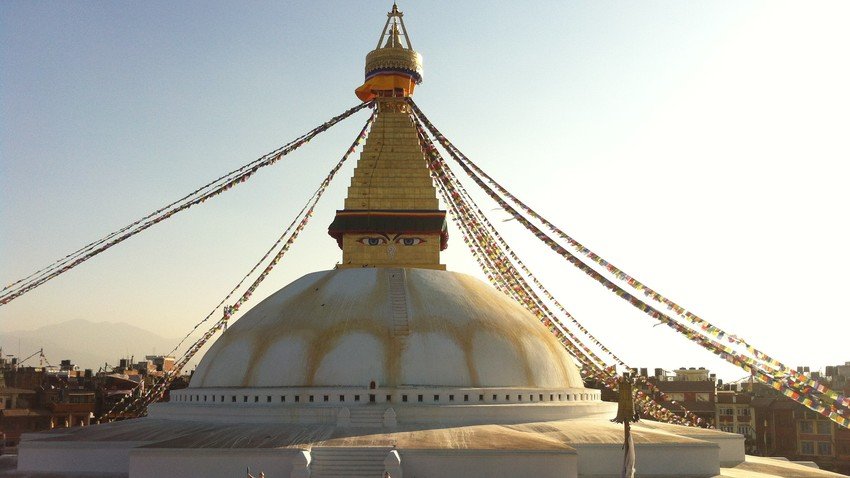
x,y
341,462
398,303
367,416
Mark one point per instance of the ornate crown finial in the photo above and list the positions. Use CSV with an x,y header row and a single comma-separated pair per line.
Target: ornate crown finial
x,y
393,68
395,12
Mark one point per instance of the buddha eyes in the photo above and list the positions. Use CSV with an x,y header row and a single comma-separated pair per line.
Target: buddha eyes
x,y
372,241
378,241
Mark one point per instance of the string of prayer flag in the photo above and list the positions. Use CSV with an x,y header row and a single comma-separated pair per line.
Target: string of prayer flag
x,y
788,379
139,406
199,196
478,234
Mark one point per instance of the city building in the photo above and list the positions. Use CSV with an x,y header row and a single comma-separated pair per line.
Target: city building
x,y
38,398
685,391
785,428
735,414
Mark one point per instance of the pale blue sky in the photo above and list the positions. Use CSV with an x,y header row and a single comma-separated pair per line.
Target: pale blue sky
x,y
700,146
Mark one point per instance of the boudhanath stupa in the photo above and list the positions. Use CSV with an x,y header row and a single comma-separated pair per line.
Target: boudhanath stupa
x,y
388,365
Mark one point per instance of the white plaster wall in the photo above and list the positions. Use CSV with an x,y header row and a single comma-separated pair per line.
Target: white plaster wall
x,y
497,360
211,463
423,356
445,412
75,457
483,414
486,464
282,364
232,357
731,447
674,460
731,444
357,354
213,396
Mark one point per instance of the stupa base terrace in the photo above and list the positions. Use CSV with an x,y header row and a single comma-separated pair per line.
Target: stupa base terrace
x,y
428,439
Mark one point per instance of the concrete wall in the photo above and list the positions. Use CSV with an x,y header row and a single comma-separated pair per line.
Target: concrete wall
x,y
488,464
211,463
674,460
731,446
79,457
456,414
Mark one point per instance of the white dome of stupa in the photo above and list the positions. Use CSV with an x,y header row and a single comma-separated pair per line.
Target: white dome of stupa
x,y
395,327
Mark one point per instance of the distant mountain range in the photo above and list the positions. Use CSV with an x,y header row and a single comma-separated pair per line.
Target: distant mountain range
x,y
87,344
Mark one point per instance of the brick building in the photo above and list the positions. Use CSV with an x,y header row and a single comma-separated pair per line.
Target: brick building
x,y
692,389
735,414
42,398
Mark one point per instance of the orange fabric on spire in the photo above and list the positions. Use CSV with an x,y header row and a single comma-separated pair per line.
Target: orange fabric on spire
x,y
385,81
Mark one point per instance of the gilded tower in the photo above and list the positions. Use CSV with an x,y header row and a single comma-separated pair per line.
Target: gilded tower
x,y
391,216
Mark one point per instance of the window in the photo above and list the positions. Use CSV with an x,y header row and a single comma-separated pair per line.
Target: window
x,y
727,428
824,448
222,398
703,397
256,398
311,399
326,398
824,428
233,398
357,398
436,398
807,427
389,398
807,448
342,398
743,429
466,398
481,397
743,412
404,398
283,398
268,399
297,398
451,398
495,397
419,398
244,398
727,411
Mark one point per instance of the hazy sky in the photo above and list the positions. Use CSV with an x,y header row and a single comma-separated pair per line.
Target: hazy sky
x,y
700,146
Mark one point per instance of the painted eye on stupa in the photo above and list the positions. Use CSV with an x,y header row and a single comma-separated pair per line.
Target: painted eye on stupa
x,y
409,241
372,241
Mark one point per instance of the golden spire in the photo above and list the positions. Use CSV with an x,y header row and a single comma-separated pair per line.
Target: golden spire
x,y
391,216
393,69
393,39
